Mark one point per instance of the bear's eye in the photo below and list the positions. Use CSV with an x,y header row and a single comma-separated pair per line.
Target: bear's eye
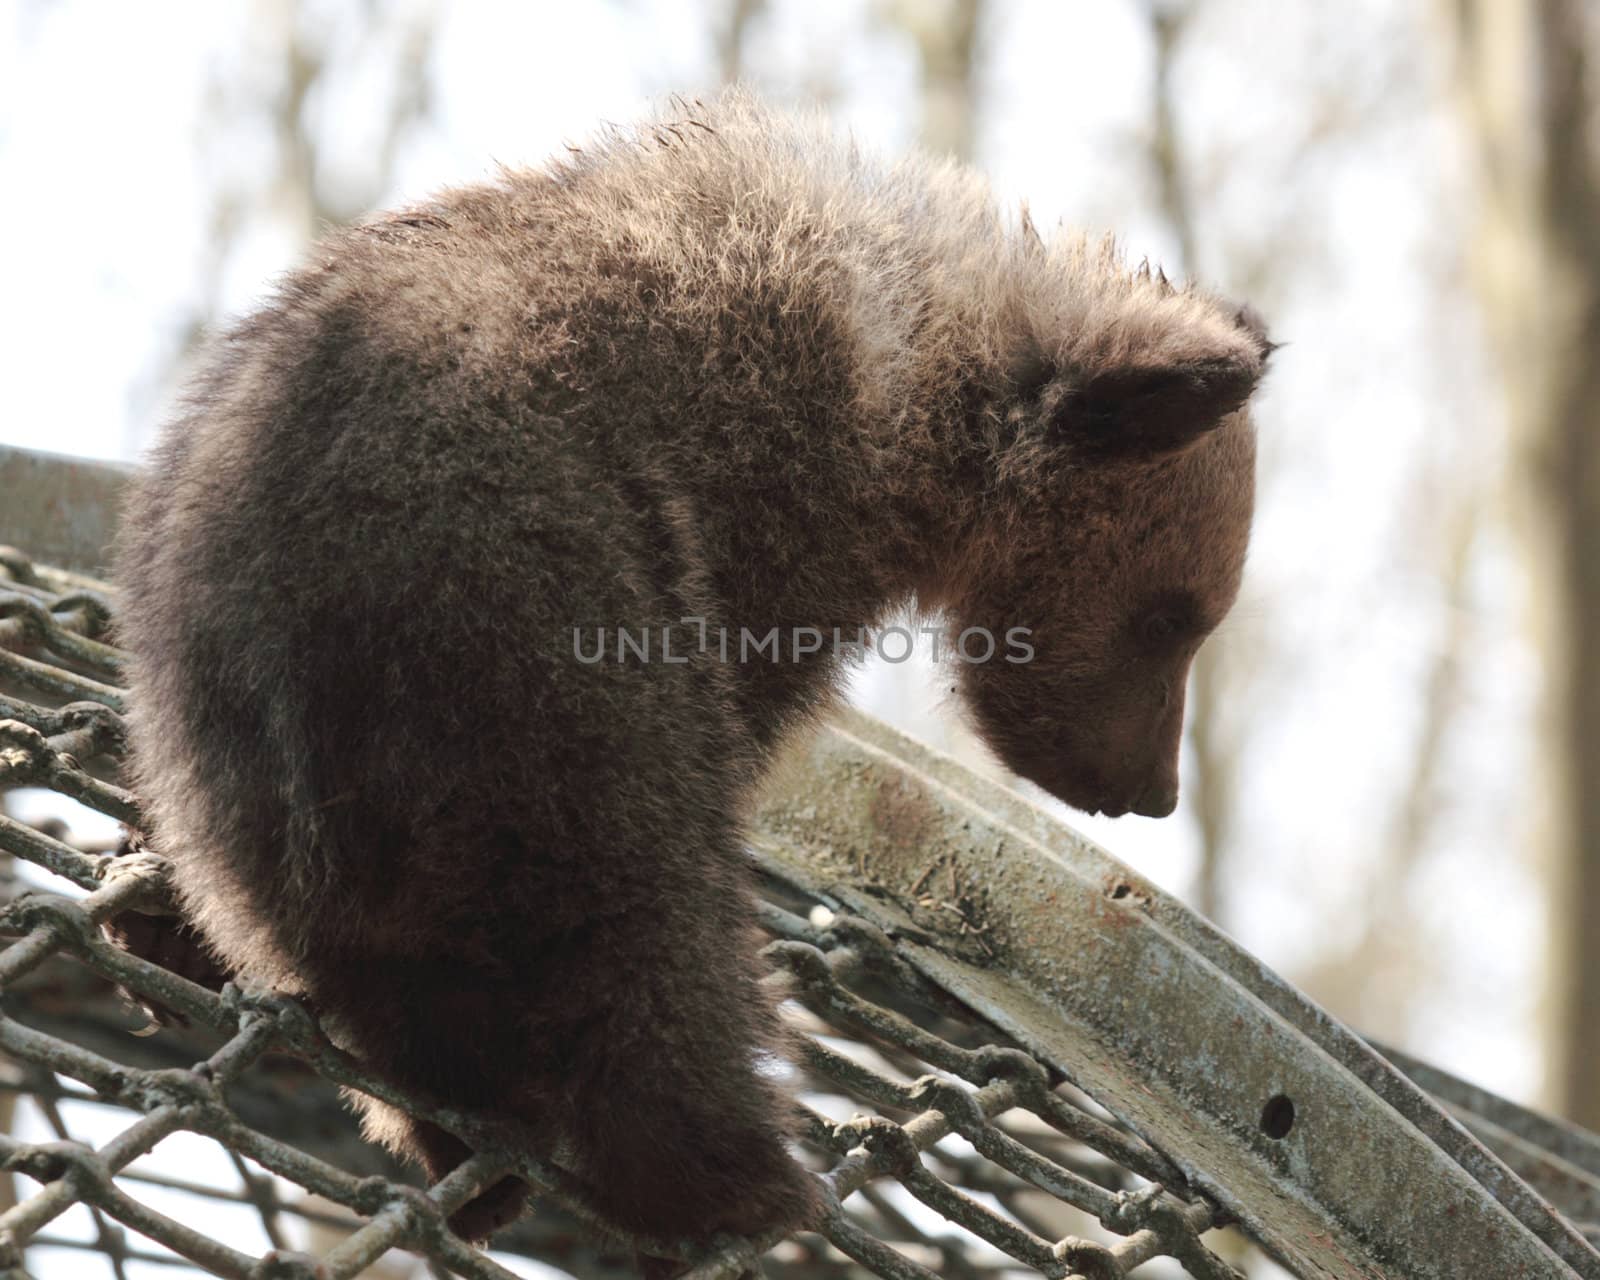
x,y
1165,620
1160,627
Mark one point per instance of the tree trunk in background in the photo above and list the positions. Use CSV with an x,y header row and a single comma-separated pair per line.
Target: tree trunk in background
x,y
946,35
729,37
1525,72
1212,753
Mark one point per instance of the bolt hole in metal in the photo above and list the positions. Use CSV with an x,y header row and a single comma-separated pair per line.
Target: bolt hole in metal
x,y
1277,1117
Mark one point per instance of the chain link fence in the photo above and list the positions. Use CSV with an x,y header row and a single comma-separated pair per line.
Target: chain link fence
x,y
1017,1058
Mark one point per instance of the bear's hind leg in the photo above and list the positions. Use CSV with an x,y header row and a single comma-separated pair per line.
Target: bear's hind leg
x,y
438,1151
680,1118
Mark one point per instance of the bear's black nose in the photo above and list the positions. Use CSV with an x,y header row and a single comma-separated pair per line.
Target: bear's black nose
x,y
1157,800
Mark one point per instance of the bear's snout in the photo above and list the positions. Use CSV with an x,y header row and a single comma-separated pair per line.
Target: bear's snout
x,y
1153,795
1158,799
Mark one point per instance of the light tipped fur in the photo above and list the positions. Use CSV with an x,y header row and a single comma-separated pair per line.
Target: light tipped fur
x,y
724,364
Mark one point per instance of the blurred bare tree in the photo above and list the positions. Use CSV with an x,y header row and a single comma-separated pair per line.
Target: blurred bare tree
x,y
729,37
947,38
1526,76
297,52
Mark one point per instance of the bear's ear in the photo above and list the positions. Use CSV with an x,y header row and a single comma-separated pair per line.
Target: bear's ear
x,y
1158,403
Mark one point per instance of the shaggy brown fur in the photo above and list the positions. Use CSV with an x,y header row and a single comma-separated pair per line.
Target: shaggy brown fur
x,y
724,366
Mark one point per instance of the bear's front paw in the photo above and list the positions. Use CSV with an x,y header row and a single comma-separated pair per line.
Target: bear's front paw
x,y
497,1207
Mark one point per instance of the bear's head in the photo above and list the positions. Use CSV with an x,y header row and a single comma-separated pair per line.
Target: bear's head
x,y
1114,530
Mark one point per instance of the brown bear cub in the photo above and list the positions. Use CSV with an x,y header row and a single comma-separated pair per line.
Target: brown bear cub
x,y
714,375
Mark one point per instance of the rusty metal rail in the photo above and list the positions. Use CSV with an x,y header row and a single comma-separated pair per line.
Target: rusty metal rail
x,y
1019,1057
